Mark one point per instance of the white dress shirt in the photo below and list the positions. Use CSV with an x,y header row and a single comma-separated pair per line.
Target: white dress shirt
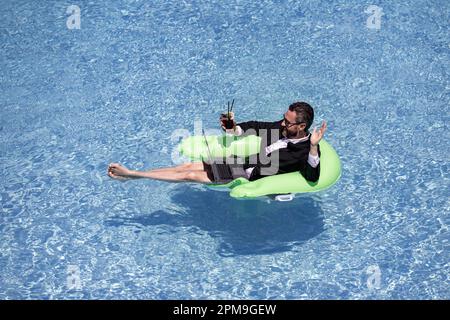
x,y
280,144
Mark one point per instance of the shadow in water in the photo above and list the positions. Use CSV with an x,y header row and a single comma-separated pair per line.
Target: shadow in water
x,y
243,227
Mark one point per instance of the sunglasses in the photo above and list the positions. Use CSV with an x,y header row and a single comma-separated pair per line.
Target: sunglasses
x,y
289,124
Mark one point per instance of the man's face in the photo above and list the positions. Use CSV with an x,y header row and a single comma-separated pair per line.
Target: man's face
x,y
290,129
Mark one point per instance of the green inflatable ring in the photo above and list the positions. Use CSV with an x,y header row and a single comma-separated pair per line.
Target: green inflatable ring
x,y
195,149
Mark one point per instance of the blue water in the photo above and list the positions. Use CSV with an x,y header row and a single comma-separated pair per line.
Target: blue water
x,y
74,100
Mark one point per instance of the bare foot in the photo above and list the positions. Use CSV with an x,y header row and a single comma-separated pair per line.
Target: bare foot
x,y
117,171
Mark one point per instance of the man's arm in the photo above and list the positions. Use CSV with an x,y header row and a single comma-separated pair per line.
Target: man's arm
x,y
311,172
313,151
242,127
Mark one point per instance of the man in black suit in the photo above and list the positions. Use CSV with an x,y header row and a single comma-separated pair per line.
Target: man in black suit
x,y
287,146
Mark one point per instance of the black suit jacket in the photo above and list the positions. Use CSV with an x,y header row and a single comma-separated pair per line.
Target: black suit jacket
x,y
293,158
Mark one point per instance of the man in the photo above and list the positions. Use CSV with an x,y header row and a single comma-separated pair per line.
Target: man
x,y
296,149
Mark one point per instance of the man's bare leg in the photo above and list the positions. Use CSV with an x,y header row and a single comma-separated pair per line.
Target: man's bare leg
x,y
118,171
174,176
189,166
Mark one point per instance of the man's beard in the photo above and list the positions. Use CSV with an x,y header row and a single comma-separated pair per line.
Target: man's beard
x,y
285,133
290,135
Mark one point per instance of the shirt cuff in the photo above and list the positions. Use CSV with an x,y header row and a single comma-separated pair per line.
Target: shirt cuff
x,y
313,160
237,131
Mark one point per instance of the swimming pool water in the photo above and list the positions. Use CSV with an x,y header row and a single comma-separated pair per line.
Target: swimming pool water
x,y
74,100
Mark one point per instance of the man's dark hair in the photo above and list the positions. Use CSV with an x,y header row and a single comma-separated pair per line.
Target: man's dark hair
x,y
305,113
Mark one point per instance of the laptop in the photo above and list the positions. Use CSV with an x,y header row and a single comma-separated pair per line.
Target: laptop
x,y
221,172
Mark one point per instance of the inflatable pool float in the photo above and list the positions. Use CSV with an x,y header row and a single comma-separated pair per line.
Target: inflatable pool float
x,y
281,187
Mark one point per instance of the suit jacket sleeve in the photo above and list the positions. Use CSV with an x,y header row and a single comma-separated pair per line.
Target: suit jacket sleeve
x,y
257,125
310,173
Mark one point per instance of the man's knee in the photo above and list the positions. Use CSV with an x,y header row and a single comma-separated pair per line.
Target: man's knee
x,y
191,176
186,166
